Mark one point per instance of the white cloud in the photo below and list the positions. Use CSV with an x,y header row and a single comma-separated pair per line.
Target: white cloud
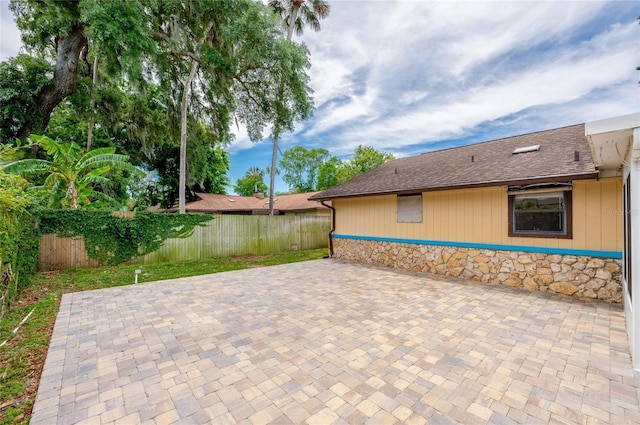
x,y
437,70
241,141
10,42
356,108
401,75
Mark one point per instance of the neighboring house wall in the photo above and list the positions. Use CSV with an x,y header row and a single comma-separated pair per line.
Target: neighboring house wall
x,y
473,224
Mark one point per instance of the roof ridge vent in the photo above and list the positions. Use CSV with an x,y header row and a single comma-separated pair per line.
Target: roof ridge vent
x,y
532,148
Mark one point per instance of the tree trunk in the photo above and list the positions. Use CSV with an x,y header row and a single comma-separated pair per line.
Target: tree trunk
x,y
183,138
274,154
292,23
65,78
92,104
72,194
272,172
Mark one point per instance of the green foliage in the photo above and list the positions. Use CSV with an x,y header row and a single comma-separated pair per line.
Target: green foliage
x,y
292,15
328,173
208,164
19,239
67,123
23,357
252,182
271,83
301,167
365,158
111,238
71,173
298,14
229,59
40,21
244,71
21,80
308,170
120,34
86,279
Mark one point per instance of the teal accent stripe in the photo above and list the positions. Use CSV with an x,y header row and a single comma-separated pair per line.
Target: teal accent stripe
x,y
537,249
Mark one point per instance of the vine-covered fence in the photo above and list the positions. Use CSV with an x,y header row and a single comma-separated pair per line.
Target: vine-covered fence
x,y
18,247
224,235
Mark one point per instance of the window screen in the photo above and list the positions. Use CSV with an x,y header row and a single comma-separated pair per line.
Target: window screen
x,y
539,213
409,209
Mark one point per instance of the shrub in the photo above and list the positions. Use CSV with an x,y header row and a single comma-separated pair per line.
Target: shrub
x,y
19,240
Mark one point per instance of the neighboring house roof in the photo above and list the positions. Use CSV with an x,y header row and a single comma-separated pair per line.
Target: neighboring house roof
x,y
210,203
491,163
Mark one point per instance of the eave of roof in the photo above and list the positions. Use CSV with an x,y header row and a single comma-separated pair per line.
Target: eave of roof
x,y
559,178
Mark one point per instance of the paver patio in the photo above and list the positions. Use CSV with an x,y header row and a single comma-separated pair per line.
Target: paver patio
x,y
325,342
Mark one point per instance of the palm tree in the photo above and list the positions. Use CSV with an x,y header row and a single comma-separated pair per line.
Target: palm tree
x,y
295,14
71,172
256,174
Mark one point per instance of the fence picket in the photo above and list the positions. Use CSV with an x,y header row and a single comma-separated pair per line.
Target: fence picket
x,y
225,235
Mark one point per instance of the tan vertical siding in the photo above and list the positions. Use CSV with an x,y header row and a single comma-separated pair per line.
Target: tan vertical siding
x,y
579,218
481,216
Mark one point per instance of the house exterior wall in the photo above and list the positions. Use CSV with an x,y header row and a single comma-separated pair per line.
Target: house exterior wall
x,y
465,233
481,216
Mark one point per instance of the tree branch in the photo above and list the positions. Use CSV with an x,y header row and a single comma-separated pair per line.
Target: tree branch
x,y
246,89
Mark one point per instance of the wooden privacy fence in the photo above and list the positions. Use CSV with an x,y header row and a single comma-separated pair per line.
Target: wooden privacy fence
x,y
225,235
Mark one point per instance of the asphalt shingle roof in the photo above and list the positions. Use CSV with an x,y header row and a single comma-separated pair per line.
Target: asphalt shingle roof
x,y
489,163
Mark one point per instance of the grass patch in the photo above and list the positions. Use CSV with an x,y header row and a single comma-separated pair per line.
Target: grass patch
x,y
22,358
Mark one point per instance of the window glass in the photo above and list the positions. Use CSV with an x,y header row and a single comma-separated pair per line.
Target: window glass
x,y
539,212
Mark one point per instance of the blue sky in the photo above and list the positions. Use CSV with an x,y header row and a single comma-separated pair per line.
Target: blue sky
x,y
409,77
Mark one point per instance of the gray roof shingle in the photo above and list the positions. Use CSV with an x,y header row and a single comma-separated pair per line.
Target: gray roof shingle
x,y
489,163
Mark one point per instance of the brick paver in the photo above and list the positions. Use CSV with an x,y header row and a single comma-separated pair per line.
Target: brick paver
x,y
325,342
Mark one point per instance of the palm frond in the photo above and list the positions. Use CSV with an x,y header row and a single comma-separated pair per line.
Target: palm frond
x,y
52,179
28,167
56,195
56,149
278,7
95,177
321,8
90,157
115,161
98,172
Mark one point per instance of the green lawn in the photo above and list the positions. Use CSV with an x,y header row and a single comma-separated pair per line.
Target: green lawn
x,y
22,358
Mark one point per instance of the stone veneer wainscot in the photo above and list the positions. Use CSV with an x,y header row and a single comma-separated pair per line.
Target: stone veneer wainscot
x,y
579,276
